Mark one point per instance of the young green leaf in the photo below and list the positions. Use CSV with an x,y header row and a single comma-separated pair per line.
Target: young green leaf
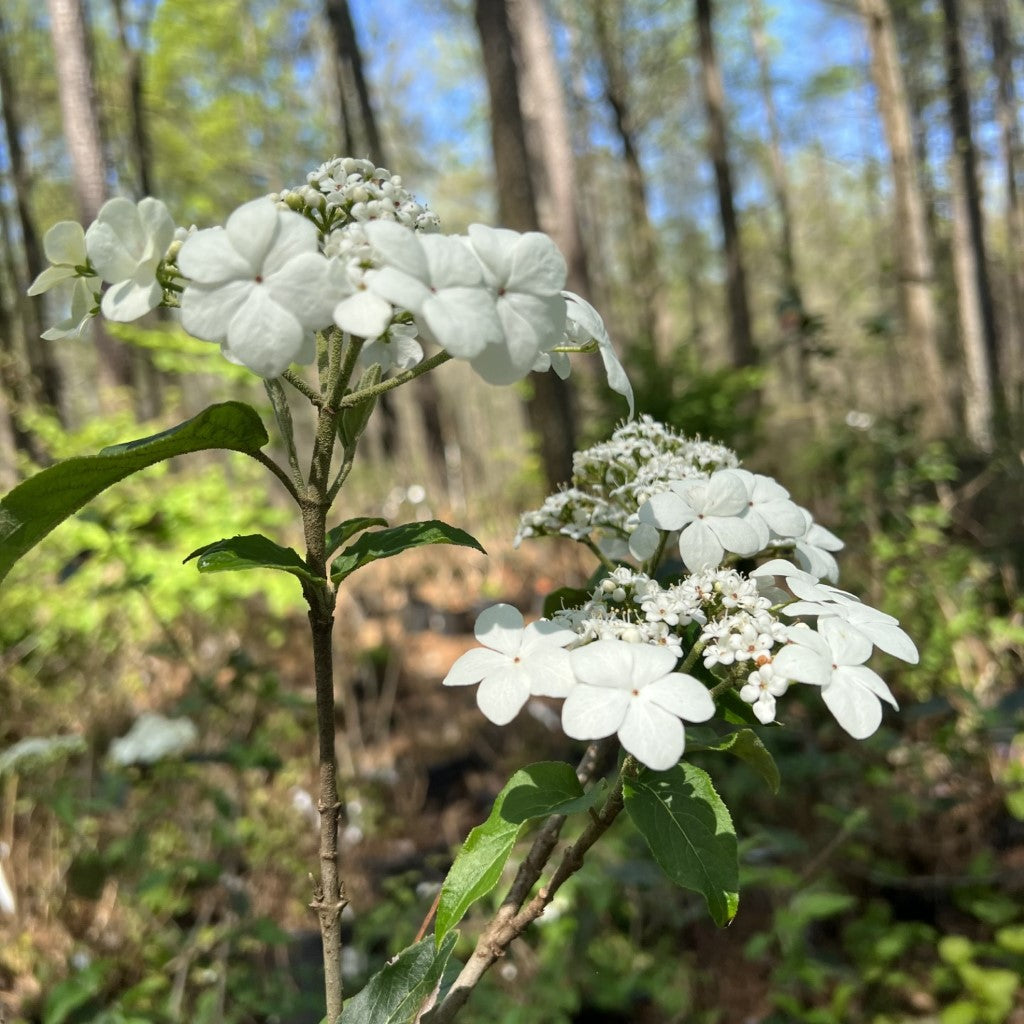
x,y
385,543
689,832
396,993
42,502
343,531
534,791
747,746
253,551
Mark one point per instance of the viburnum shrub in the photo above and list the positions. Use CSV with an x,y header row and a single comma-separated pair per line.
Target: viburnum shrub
x,y
713,595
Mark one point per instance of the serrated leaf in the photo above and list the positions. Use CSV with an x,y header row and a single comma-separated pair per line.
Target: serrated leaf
x,y
252,551
396,994
690,833
343,531
564,597
746,745
385,543
42,502
535,791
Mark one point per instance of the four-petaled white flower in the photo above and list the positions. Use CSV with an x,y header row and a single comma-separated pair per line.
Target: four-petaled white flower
x,y
64,246
397,347
814,549
126,243
630,689
762,687
711,514
515,663
833,658
440,281
258,286
770,511
526,273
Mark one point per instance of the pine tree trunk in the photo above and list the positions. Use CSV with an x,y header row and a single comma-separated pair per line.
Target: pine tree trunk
x,y
550,408
792,315
986,419
547,132
741,338
78,106
998,17
913,253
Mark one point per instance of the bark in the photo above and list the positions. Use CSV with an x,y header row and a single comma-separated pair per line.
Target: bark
x,y
352,80
998,17
793,317
913,252
78,107
741,338
647,284
985,410
548,133
550,407
46,382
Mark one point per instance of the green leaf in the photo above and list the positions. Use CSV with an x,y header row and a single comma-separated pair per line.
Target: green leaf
x,y
689,832
385,543
343,531
747,746
534,791
42,502
549,786
253,551
396,994
735,710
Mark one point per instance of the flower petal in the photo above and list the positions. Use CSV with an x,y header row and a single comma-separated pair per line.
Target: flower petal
x,y
502,694
500,627
591,712
653,736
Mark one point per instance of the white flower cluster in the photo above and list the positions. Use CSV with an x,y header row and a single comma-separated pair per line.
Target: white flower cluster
x,y
351,249
626,654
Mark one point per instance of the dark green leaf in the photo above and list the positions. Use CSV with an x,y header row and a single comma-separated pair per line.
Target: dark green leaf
x,y
735,710
564,597
343,531
385,543
689,832
746,745
548,787
44,501
253,551
535,790
396,994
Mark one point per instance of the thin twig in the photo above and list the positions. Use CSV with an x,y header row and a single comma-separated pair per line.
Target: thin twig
x,y
265,460
303,387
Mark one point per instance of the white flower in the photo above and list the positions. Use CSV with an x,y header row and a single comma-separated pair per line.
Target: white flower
x,y
814,549
833,658
126,243
526,272
64,245
440,281
515,663
83,300
583,326
710,514
397,348
630,689
769,511
763,686
259,286
881,629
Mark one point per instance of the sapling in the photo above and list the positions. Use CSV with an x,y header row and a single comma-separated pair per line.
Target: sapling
x,y
713,591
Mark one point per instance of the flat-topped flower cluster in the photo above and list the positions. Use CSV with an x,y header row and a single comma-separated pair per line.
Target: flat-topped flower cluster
x,y
657,642
351,250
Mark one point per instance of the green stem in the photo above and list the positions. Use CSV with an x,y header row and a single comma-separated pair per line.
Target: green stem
x,y
691,656
281,475
600,555
283,415
355,397
303,387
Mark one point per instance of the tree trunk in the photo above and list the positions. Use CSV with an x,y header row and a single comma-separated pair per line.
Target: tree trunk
x,y
986,419
548,133
913,253
793,318
550,407
351,79
741,339
998,17
46,379
82,133
647,285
